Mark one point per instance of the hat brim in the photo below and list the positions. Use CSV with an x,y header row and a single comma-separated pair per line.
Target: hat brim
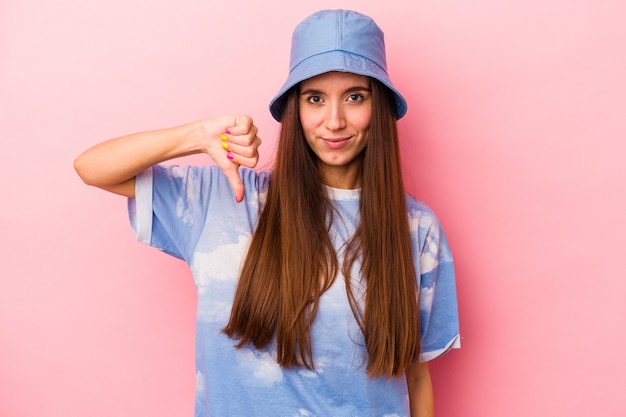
x,y
335,61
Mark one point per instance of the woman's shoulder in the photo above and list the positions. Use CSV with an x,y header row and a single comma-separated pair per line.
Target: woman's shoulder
x,y
421,216
414,204
426,230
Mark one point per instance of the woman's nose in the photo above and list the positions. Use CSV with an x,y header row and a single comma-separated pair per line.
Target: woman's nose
x,y
335,117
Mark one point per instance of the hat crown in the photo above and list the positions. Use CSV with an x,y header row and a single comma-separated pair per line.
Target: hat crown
x,y
338,30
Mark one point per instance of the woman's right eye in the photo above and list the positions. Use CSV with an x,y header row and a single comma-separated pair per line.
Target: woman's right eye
x,y
314,99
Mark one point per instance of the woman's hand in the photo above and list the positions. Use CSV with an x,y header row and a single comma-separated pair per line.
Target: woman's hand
x,y
232,141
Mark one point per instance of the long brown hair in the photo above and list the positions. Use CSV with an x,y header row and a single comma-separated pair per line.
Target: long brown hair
x,y
291,261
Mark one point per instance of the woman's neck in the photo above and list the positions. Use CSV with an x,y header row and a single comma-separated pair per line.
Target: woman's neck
x,y
346,176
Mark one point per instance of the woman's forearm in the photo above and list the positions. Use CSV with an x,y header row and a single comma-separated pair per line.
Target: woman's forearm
x,y
420,390
116,161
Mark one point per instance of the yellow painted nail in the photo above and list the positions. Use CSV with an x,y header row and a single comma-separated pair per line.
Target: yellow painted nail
x,y
224,137
224,145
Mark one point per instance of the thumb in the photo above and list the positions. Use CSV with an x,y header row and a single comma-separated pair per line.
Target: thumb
x,y
234,179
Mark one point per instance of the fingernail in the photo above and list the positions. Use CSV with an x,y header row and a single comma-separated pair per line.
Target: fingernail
x,y
229,156
224,145
224,137
228,131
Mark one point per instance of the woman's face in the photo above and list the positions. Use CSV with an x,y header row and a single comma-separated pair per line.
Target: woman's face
x,y
335,113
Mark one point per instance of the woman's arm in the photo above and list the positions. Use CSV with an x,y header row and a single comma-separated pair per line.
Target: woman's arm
x,y
420,390
113,165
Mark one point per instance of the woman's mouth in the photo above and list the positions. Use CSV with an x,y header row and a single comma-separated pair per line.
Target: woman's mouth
x,y
336,143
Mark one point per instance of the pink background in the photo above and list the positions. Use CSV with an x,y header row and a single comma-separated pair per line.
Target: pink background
x,y
515,136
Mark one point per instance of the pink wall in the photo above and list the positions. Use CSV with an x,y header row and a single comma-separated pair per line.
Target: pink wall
x,y
515,136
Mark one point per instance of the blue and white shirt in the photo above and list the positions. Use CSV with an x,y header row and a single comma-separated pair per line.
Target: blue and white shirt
x,y
191,213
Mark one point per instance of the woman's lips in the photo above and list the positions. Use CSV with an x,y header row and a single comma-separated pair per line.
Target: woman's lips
x,y
336,143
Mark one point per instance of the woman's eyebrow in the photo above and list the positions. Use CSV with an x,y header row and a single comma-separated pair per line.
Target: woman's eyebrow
x,y
311,91
355,88
358,88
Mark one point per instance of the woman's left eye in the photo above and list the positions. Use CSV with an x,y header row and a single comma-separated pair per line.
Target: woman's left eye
x,y
355,97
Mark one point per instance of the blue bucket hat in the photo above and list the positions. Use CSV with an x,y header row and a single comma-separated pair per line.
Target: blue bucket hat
x,y
337,40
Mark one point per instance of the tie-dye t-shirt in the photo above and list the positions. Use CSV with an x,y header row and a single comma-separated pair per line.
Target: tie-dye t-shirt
x,y
191,213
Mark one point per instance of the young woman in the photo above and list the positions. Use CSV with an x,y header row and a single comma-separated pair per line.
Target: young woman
x,y
323,289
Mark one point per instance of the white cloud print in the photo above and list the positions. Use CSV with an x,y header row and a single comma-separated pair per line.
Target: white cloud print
x,y
429,256
217,312
221,264
261,365
421,223
426,298
182,210
320,365
199,382
419,218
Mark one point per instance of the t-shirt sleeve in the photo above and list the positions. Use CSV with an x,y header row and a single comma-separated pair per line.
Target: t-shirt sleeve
x,y
439,317
171,205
